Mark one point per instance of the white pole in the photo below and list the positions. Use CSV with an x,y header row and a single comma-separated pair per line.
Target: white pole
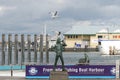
x,y
45,29
44,34
117,69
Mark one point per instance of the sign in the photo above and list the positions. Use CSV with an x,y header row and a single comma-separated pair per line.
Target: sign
x,y
74,71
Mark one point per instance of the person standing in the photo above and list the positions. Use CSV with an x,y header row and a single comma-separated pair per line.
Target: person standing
x,y
59,49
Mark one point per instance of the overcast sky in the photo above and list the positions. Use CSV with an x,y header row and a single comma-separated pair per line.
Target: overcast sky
x,y
30,16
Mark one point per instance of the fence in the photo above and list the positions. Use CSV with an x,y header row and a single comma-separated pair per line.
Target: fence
x,y
16,52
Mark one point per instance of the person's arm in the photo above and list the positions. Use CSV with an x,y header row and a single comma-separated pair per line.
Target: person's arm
x,y
63,43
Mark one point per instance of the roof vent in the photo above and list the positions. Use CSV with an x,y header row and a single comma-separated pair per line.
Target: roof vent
x,y
103,31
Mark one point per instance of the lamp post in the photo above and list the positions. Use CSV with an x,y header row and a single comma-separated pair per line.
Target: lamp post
x,y
108,33
11,66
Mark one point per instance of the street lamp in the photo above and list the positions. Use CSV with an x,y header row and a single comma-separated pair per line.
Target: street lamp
x,y
107,32
11,67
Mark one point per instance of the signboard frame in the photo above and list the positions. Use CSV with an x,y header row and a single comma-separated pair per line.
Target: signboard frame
x,y
74,71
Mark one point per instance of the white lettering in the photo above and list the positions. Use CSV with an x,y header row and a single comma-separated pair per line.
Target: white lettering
x,y
83,70
47,69
72,70
96,70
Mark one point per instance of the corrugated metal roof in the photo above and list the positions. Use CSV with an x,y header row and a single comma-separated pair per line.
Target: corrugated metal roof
x,y
76,30
117,31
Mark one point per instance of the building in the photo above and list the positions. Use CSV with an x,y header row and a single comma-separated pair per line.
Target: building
x,y
81,36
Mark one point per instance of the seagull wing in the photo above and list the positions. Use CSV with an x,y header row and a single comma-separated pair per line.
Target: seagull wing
x,y
55,13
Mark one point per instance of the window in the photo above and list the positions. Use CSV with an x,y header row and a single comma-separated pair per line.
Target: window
x,y
100,36
114,36
68,36
76,36
72,36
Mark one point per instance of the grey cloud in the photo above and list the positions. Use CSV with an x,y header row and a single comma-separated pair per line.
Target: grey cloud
x,y
92,10
31,15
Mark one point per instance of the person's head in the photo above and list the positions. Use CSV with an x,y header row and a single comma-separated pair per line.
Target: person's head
x,y
59,33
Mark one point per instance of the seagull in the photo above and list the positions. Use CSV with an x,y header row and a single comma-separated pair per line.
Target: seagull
x,y
54,14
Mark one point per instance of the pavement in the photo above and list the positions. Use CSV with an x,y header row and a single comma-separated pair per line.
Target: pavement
x,y
20,75
12,75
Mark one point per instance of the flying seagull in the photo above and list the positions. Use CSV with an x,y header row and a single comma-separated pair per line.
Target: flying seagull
x,y
54,14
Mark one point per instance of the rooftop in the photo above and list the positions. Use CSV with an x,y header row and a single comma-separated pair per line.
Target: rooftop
x,y
91,30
